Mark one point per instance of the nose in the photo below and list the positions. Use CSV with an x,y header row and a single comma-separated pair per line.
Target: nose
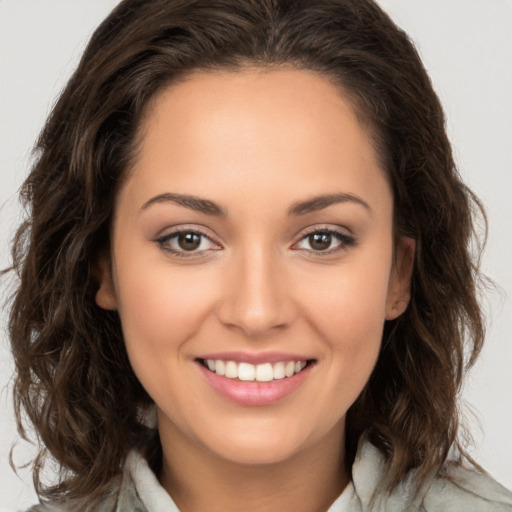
x,y
256,299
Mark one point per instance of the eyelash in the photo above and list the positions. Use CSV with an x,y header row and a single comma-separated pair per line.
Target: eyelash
x,y
346,241
163,242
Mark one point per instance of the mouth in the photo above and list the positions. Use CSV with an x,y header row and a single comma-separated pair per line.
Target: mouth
x,y
260,384
247,372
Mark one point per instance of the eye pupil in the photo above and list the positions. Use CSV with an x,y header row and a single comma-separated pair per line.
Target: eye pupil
x,y
189,241
320,241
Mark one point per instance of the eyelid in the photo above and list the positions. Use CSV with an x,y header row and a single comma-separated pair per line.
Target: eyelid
x,y
161,240
322,228
346,239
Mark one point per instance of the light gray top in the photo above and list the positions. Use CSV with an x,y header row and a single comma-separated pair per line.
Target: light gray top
x,y
461,490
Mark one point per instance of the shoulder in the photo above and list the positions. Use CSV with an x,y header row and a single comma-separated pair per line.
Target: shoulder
x,y
456,489
136,490
462,488
98,505
108,502
46,508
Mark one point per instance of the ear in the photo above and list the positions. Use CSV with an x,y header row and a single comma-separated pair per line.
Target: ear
x,y
399,290
106,295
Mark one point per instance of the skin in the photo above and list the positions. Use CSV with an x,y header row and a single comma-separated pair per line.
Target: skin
x,y
256,142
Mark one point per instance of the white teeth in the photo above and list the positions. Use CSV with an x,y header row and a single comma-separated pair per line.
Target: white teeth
x,y
289,369
231,371
246,371
299,365
265,372
279,371
219,367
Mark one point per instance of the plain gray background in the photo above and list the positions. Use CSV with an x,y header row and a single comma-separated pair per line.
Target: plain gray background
x,y
467,48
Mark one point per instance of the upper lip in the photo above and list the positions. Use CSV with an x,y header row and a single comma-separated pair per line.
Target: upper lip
x,y
255,357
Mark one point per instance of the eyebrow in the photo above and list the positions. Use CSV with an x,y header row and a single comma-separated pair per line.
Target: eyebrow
x,y
192,202
300,208
320,202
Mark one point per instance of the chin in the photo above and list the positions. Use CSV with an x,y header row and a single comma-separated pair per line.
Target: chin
x,y
261,454
258,445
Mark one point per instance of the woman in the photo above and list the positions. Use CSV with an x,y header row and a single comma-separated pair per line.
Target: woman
x,y
246,218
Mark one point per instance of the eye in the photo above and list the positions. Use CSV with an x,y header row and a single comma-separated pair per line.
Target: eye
x,y
186,243
325,241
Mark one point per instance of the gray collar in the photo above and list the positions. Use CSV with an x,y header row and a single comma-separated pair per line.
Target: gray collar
x,y
459,489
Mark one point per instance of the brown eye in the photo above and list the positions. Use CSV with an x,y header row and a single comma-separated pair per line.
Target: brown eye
x,y
325,242
320,241
189,241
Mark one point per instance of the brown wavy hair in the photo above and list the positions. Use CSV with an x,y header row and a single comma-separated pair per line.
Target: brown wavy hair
x,y
73,380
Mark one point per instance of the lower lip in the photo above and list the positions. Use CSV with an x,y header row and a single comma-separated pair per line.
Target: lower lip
x,y
254,393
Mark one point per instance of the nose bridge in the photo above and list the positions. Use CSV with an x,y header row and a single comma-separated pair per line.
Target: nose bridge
x,y
256,299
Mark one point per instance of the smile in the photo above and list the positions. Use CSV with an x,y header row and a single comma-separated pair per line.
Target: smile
x,y
258,383
248,372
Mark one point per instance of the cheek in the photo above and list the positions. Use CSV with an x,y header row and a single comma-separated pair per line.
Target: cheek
x,y
349,314
160,310
352,302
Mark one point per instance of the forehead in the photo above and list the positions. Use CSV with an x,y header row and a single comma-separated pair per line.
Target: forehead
x,y
208,104
280,129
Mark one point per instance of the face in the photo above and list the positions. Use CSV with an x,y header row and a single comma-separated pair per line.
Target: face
x,y
252,262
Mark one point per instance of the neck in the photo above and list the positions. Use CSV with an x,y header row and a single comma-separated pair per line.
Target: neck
x,y
198,479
